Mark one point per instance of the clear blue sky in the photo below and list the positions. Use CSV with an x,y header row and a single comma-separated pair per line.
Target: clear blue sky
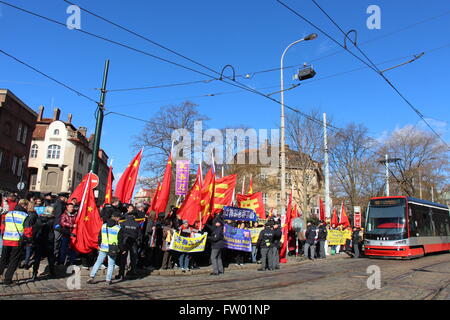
x,y
250,35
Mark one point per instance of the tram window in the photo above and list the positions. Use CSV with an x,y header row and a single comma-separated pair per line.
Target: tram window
x,y
421,215
413,231
440,219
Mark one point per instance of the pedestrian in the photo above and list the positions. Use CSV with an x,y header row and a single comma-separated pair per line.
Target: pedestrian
x,y
322,238
32,215
167,238
185,231
109,239
217,244
265,240
311,235
17,231
254,245
68,219
43,241
239,255
355,242
274,255
60,207
131,239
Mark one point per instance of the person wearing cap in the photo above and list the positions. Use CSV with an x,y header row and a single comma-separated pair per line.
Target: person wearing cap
x,y
131,239
274,255
109,238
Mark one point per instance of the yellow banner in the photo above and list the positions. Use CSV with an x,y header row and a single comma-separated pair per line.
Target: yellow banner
x,y
337,237
254,232
183,244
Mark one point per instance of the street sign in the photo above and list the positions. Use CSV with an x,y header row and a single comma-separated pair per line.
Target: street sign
x,y
357,217
21,186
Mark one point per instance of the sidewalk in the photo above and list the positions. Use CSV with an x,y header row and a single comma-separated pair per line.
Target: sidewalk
x,y
61,271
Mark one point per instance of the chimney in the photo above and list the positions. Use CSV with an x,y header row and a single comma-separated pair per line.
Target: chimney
x,y
69,118
82,130
41,113
56,114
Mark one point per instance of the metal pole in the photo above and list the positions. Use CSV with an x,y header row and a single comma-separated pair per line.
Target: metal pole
x,y
327,169
420,183
98,126
432,194
283,150
387,175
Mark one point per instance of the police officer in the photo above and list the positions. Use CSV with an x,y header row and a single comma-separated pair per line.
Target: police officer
x,y
265,241
274,256
17,230
109,238
131,239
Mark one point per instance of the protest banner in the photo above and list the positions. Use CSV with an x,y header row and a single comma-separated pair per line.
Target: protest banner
x,y
237,239
240,214
338,237
183,244
182,177
254,232
39,210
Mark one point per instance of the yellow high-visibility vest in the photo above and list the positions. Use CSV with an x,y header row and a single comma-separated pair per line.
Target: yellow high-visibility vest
x,y
112,236
14,221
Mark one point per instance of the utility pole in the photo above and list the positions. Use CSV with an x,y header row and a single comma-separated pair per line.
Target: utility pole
x,y
420,183
99,123
327,168
387,175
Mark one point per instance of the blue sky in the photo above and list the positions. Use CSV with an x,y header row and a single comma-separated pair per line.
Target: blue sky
x,y
250,35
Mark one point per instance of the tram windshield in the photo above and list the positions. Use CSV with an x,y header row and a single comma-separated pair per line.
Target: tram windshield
x,y
386,216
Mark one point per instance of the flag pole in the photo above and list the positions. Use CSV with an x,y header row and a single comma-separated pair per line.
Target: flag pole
x,y
243,184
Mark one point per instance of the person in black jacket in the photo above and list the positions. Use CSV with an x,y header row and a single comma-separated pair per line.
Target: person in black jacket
x,y
131,239
60,207
43,241
322,238
274,256
217,243
265,241
311,235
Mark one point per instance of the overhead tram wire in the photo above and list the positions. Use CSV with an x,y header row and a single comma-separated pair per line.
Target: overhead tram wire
x,y
381,73
369,64
234,83
49,77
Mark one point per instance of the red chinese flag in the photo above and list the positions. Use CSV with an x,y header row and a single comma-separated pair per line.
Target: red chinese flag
x,y
207,196
334,219
127,182
250,187
252,201
223,192
79,190
164,192
343,220
285,229
154,199
108,193
190,208
88,221
321,210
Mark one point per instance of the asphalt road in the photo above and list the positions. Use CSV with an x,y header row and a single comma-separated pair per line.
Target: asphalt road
x,y
338,277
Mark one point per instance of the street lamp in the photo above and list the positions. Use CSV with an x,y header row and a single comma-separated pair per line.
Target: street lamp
x,y
312,36
386,161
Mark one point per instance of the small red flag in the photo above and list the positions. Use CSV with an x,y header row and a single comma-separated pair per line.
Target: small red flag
x,y
127,182
88,221
334,219
343,219
250,187
321,210
223,192
252,201
108,193
154,199
164,192
285,228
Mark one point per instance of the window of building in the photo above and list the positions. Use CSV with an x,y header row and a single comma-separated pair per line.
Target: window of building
x,y
7,129
53,151
24,134
20,167
1,157
288,179
56,132
51,178
278,198
264,197
81,158
34,151
14,165
19,132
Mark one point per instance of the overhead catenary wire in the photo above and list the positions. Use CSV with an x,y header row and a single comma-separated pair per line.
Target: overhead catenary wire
x,y
370,64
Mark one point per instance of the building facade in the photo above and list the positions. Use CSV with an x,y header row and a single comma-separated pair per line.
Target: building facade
x,y
61,155
17,122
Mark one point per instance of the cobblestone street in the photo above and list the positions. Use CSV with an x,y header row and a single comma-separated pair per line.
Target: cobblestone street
x,y
337,277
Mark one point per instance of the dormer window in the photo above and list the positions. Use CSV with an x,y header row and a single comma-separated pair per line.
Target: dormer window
x,y
56,132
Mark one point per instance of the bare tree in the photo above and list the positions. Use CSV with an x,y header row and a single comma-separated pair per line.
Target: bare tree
x,y
424,165
156,137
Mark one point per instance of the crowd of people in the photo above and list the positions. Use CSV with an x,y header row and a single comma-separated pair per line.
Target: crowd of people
x,y
131,239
